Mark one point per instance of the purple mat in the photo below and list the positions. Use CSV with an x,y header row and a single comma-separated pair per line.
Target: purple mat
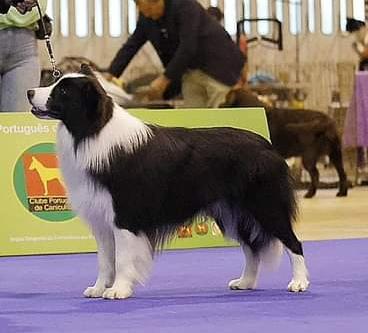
x,y
188,293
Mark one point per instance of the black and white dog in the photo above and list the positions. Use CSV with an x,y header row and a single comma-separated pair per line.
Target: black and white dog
x,y
135,184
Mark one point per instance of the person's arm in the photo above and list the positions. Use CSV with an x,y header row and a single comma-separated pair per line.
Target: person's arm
x,y
158,87
17,19
243,44
187,49
128,50
361,50
188,39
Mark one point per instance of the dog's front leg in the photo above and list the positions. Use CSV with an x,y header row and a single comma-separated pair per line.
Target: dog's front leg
x,y
133,261
106,260
249,277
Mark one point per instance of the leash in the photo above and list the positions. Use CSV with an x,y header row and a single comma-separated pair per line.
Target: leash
x,y
56,73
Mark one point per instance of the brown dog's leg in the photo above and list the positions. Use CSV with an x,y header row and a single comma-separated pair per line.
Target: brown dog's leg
x,y
336,159
309,161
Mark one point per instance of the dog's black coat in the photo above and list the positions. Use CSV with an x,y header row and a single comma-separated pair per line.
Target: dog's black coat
x,y
181,173
308,134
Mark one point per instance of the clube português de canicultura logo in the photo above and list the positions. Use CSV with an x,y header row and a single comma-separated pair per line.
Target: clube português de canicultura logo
x,y
39,185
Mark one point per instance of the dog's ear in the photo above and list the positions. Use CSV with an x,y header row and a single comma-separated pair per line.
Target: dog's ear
x,y
95,98
86,70
90,93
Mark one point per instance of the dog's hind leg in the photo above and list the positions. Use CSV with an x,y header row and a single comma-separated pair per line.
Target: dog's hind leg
x,y
281,228
275,221
309,161
337,160
299,281
133,261
106,260
249,276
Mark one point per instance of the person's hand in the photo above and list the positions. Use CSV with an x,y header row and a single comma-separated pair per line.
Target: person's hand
x,y
158,87
111,78
24,6
108,76
361,50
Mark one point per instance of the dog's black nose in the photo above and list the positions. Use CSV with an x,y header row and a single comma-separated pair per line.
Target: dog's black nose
x,y
30,94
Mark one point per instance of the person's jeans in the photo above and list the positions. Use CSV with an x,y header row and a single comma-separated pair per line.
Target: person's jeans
x,y
19,68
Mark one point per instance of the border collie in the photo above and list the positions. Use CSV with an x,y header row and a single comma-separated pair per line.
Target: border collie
x,y
135,184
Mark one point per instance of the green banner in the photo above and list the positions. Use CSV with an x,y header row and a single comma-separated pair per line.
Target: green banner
x,y
35,214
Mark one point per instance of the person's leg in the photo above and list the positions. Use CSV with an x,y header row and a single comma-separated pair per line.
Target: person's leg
x,y
216,92
194,93
4,41
16,82
0,91
22,72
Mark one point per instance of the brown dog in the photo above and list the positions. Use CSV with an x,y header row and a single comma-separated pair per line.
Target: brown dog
x,y
300,133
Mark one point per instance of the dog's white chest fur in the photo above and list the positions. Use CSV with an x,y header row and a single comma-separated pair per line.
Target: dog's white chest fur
x,y
88,200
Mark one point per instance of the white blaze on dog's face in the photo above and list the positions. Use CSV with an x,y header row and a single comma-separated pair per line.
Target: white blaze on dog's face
x,y
39,97
78,100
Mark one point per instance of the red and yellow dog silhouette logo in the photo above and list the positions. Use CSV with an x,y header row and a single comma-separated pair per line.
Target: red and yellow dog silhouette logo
x,y
42,175
39,186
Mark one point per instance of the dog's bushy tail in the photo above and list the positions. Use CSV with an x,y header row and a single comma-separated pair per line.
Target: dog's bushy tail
x,y
272,208
271,255
291,198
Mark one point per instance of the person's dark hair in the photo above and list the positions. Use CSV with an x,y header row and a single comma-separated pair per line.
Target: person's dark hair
x,y
353,24
215,12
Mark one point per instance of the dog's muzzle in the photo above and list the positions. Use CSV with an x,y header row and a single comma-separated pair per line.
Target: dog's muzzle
x,y
38,111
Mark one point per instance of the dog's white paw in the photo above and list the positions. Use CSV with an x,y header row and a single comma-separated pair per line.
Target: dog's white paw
x,y
117,293
296,286
242,284
94,292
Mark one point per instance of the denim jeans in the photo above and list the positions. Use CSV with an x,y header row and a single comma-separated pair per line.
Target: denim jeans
x,y
19,68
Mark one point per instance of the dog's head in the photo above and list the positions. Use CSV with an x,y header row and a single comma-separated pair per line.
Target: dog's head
x,y
243,98
77,99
